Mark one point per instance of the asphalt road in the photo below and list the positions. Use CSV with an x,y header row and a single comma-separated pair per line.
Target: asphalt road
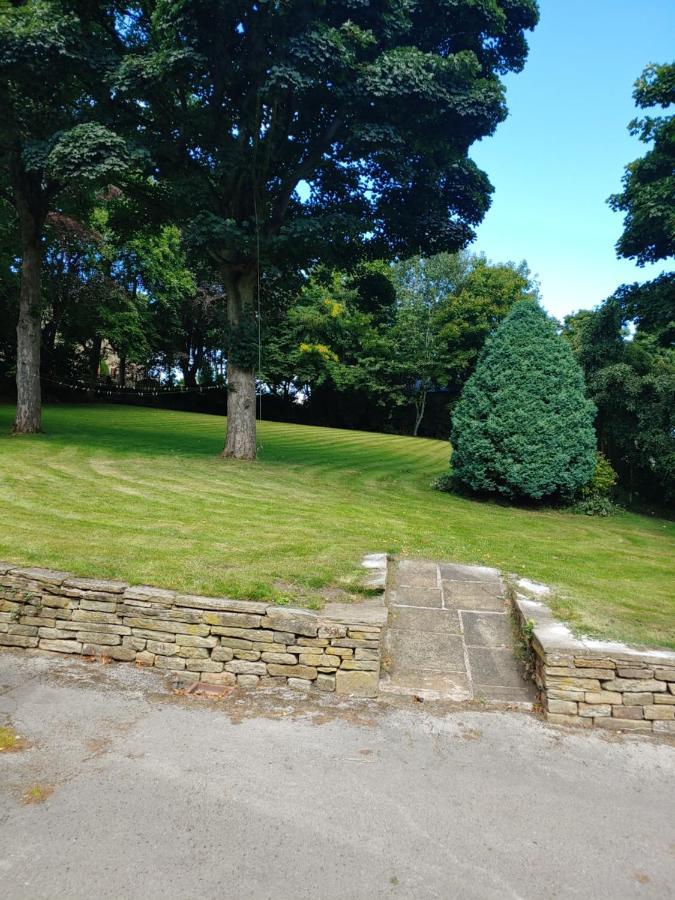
x,y
127,790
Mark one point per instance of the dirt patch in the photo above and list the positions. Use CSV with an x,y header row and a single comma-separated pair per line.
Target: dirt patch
x,y
37,793
10,741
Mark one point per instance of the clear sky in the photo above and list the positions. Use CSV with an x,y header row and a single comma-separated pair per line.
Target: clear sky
x,y
562,150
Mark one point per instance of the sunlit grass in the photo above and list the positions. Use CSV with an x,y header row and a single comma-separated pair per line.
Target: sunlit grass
x,y
141,494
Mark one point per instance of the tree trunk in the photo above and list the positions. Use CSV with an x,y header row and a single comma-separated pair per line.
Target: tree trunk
x,y
420,406
28,394
122,371
240,440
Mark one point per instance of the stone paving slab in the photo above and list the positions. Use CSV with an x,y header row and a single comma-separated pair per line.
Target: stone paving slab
x,y
449,635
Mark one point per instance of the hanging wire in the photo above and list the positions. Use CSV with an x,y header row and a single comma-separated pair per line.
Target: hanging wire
x,y
131,392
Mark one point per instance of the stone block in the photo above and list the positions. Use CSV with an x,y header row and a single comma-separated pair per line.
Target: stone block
x,y
316,643
193,653
145,659
664,727
236,643
299,683
634,685
97,585
244,667
89,615
93,637
296,621
562,707
134,643
153,635
318,659
611,697
284,637
664,673
325,682
615,724
627,712
18,640
55,634
218,678
231,619
357,684
361,653
591,662
668,699
244,634
248,681
281,659
147,594
340,651
360,665
350,642
165,625
625,672
250,655
163,648
594,709
563,719
659,712
573,672
554,694
332,630
221,604
121,654
60,646
169,662
222,654
203,665
297,671
631,699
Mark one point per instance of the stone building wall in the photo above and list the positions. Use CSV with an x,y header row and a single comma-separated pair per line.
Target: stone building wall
x,y
592,683
210,639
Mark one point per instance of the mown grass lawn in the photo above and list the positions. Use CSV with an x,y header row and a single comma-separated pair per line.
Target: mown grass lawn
x,y
141,495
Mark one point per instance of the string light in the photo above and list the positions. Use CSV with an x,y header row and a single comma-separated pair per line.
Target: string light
x,y
130,392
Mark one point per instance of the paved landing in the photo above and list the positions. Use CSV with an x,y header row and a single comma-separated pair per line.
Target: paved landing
x,y
449,635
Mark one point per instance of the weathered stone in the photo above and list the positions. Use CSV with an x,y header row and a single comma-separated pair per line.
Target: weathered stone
x,y
595,709
236,643
218,678
248,681
350,642
635,673
573,684
18,640
38,621
292,671
148,594
88,615
563,707
611,697
53,602
268,681
332,630
99,627
664,727
193,653
325,682
169,662
27,630
222,654
203,665
629,685
282,659
562,719
145,659
61,646
244,667
319,659
312,642
244,634
134,643
99,585
221,604
637,699
284,637
231,619
627,712
615,724
150,624
153,635
94,637
659,712
250,655
340,651
360,653
297,621
357,684
359,635
573,672
299,683
566,695
163,648
667,699
42,576
55,634
588,662
98,605
360,665
662,673
122,654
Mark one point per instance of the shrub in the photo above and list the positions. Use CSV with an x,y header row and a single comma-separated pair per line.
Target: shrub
x,y
523,426
595,497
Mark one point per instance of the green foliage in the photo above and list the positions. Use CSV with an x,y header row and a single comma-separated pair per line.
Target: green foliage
x,y
648,195
523,427
602,481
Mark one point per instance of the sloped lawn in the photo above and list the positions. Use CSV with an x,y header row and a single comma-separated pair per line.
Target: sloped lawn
x,y
140,494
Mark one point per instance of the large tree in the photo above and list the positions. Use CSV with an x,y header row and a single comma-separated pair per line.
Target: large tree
x,y
55,60
304,131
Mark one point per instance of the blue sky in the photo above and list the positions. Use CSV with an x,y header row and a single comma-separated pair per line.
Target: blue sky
x,y
562,150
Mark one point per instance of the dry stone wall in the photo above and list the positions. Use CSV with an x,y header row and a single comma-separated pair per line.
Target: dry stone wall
x,y
591,683
209,639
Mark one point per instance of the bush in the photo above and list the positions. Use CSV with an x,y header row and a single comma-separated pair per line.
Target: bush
x,y
523,426
595,497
